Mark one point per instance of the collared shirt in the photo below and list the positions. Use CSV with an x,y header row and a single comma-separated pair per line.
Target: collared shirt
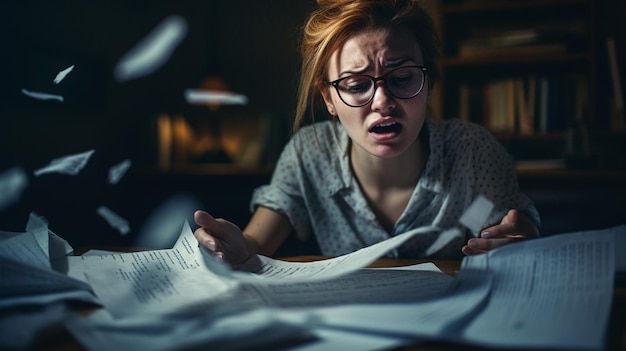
x,y
314,186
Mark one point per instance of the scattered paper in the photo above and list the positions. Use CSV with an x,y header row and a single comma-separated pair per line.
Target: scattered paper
x,y
42,96
27,277
114,220
438,317
61,75
118,171
24,248
552,292
150,53
214,97
260,329
164,281
70,165
276,271
475,216
12,184
161,229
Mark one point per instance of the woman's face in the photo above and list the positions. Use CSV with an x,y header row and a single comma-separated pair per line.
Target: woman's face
x,y
387,126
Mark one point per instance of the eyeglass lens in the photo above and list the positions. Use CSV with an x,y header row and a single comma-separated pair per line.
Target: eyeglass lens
x,y
403,83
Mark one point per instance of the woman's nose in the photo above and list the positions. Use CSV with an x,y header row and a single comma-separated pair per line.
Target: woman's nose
x,y
382,100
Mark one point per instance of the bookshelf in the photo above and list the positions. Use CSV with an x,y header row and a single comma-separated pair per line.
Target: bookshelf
x,y
526,70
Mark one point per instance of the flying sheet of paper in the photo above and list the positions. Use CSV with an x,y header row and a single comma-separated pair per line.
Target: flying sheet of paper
x,y
118,171
161,229
203,97
153,51
61,75
475,216
70,165
276,271
42,96
12,184
114,220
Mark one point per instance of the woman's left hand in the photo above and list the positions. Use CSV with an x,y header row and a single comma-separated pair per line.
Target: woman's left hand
x,y
515,226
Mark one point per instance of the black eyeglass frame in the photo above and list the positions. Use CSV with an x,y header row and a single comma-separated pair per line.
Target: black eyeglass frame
x,y
335,83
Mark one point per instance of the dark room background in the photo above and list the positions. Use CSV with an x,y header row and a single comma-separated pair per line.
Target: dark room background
x,y
251,45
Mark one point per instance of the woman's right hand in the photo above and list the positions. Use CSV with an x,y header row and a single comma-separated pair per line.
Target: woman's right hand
x,y
223,238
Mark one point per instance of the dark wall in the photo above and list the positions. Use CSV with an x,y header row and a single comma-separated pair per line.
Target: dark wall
x,y
251,44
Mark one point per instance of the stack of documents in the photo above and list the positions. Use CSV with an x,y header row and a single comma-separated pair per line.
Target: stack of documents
x,y
32,294
553,292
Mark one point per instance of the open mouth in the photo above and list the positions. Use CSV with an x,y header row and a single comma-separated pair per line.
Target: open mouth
x,y
384,128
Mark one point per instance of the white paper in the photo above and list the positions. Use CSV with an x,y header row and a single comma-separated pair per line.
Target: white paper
x,y
42,96
38,226
276,271
476,215
364,286
175,280
161,229
167,281
550,292
61,75
114,220
441,316
205,96
153,51
71,165
118,171
24,248
12,183
249,330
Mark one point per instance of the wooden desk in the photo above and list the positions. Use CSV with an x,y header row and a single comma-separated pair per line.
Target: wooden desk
x,y
56,338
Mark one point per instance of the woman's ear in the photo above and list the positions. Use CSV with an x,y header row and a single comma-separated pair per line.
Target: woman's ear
x,y
330,106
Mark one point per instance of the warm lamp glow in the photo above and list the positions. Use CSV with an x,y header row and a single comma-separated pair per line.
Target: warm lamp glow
x,y
214,92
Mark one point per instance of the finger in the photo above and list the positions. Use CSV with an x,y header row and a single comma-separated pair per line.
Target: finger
x,y
511,217
203,219
487,244
498,231
217,227
470,251
205,239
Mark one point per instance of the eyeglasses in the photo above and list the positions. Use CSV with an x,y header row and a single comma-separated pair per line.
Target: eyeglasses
x,y
403,83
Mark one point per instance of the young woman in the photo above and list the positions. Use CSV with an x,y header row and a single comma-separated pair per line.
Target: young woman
x,y
379,167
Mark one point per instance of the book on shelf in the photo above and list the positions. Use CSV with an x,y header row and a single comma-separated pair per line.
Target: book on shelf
x,y
525,105
541,39
618,119
523,50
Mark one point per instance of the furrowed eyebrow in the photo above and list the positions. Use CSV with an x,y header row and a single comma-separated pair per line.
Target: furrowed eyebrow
x,y
352,72
399,62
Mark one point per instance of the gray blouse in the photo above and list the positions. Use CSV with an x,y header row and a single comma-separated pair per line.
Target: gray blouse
x,y
313,185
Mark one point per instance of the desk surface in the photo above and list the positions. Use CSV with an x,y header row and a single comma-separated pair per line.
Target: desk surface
x,y
56,338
